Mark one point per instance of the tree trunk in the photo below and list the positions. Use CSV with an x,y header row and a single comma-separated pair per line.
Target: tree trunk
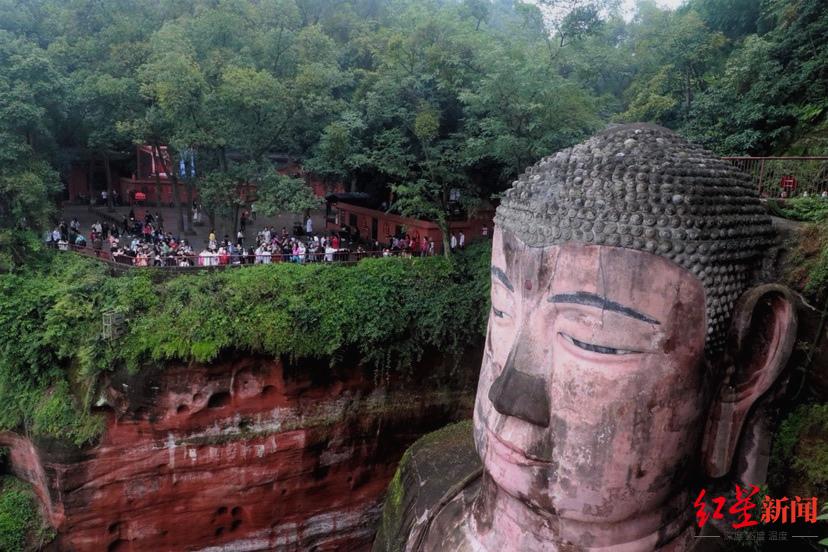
x,y
234,228
223,160
688,92
189,228
89,178
177,204
174,178
155,151
444,229
108,183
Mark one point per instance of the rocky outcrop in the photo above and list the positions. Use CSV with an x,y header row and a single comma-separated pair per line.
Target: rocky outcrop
x,y
244,454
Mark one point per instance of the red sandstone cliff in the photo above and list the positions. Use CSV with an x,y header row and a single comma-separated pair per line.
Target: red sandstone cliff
x,y
237,455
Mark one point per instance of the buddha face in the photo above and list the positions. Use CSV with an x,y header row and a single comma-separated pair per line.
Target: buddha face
x,y
593,394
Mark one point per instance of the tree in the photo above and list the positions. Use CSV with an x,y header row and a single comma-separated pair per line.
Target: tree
x,y
30,93
99,102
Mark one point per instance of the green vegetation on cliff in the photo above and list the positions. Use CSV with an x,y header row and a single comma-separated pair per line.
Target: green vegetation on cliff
x,y
21,525
800,451
387,310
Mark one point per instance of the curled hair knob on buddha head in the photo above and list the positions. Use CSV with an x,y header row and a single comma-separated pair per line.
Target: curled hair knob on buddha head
x,y
715,223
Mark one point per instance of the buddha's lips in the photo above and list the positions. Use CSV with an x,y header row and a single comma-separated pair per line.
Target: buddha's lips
x,y
511,453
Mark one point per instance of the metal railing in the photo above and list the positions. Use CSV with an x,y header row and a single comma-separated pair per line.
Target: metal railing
x,y
809,173
197,261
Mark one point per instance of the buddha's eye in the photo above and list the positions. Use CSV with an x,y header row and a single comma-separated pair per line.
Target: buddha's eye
x,y
600,349
498,313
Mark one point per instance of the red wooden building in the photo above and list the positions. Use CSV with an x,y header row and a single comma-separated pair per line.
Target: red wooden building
x,y
376,224
151,178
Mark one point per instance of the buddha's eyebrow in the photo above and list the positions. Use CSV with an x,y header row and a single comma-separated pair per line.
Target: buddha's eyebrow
x,y
592,300
500,275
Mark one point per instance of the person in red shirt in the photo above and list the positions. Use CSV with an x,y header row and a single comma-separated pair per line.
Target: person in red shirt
x,y
335,241
224,257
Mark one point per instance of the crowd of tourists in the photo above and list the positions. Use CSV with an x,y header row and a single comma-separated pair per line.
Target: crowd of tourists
x,y
69,236
143,241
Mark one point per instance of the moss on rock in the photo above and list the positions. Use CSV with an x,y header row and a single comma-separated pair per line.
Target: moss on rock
x,y
429,468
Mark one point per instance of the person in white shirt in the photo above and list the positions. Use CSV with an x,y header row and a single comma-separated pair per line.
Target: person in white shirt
x,y
453,242
309,227
462,240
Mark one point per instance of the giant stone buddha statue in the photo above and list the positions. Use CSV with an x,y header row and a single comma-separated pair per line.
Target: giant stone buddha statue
x,y
627,357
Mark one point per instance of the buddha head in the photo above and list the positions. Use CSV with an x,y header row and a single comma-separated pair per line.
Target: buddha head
x,y
624,349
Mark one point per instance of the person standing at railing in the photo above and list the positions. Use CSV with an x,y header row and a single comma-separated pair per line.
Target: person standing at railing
x,y
260,254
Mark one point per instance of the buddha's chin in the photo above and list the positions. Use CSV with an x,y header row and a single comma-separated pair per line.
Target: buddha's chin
x,y
514,472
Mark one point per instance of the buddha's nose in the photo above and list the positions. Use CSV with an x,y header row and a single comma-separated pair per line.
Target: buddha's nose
x,y
520,394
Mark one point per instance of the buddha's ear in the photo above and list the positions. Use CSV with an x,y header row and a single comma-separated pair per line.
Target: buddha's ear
x,y
759,344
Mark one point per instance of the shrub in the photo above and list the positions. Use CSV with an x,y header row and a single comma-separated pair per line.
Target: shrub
x,y
387,310
807,209
800,449
21,526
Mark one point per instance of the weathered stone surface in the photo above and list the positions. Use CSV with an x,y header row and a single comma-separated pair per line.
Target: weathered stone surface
x,y
247,454
435,466
620,374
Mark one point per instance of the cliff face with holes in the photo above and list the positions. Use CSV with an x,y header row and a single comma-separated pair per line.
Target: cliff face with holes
x,y
241,454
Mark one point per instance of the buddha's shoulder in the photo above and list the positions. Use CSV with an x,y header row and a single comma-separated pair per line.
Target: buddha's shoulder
x,y
433,471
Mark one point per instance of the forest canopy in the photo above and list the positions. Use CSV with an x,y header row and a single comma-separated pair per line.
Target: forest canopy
x,y
418,97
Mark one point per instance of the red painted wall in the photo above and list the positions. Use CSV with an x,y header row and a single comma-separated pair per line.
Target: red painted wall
x,y
76,183
387,224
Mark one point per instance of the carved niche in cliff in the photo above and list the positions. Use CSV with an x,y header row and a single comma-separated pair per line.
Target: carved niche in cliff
x,y
626,362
